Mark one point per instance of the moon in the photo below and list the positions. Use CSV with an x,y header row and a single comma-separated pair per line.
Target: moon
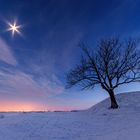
x,y
14,28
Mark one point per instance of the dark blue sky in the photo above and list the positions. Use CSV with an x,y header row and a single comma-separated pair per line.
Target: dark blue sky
x,y
33,66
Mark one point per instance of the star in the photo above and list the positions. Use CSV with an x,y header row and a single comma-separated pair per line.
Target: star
x,y
14,28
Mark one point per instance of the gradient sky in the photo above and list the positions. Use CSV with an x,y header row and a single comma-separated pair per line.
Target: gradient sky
x,y
33,66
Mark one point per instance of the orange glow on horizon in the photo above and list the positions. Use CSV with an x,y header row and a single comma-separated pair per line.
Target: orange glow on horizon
x,y
20,106
24,106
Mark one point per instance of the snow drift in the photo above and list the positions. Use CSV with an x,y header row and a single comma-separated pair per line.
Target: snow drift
x,y
96,123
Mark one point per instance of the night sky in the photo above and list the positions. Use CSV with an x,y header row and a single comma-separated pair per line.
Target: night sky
x,y
33,64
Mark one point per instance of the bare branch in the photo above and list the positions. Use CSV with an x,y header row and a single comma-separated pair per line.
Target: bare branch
x,y
114,63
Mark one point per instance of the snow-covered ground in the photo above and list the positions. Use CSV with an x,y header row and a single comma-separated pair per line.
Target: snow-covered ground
x,y
96,123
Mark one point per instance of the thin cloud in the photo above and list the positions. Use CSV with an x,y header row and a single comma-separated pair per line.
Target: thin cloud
x,y
6,53
24,85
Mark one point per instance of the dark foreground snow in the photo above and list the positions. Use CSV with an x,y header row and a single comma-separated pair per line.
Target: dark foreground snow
x,y
96,123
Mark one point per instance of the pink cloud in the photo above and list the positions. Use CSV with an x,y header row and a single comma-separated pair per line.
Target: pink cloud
x,y
6,54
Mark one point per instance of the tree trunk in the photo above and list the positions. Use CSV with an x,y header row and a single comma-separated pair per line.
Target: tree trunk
x,y
114,104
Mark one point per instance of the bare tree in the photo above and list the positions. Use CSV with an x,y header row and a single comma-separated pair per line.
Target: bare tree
x,y
112,64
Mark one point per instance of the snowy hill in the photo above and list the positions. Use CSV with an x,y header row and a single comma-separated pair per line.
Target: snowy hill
x,y
127,102
96,123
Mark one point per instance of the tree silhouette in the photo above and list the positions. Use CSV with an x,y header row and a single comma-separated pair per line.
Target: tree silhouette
x,y
112,64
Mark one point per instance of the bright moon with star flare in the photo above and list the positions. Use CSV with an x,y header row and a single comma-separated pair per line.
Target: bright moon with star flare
x,y
14,28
